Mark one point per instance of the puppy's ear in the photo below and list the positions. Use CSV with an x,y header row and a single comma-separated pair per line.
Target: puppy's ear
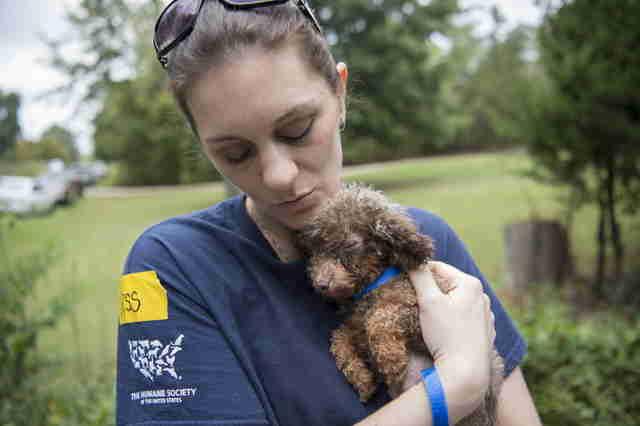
x,y
406,248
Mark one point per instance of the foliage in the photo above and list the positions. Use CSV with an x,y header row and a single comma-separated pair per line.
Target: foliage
x,y
149,139
583,371
492,93
138,123
84,404
396,83
22,399
60,140
27,394
146,156
107,35
584,126
55,142
9,124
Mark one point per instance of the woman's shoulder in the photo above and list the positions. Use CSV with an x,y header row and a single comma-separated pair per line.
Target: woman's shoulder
x,y
219,215
426,220
432,224
449,247
206,230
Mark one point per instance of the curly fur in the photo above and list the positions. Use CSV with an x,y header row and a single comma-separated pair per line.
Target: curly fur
x,y
355,237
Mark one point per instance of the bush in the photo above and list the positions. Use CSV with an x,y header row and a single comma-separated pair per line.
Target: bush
x,y
581,371
21,400
26,394
84,404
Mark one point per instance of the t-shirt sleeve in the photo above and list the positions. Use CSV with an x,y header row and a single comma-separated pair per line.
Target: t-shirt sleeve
x,y
175,365
450,249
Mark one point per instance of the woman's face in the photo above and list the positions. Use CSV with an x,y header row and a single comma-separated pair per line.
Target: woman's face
x,y
271,126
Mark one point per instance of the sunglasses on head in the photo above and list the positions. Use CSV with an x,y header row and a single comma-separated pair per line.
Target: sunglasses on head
x,y
177,20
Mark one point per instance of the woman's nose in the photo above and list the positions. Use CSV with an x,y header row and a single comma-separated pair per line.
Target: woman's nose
x,y
279,168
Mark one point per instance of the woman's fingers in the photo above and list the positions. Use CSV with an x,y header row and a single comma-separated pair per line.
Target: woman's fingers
x,y
424,283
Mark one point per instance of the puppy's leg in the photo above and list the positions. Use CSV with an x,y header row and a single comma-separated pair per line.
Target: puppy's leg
x,y
388,343
351,362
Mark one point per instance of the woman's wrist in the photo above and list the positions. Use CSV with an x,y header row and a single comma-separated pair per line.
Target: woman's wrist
x,y
436,395
464,387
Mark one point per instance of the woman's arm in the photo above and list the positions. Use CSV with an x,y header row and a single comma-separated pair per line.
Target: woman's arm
x,y
413,408
515,405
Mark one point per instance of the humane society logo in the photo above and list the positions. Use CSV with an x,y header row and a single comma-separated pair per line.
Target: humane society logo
x,y
153,359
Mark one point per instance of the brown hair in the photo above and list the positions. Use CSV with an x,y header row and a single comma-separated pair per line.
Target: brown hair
x,y
220,33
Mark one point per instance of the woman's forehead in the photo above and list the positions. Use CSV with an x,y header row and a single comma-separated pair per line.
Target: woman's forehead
x,y
267,86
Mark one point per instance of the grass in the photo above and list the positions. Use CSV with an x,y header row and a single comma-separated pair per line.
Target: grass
x,y
477,194
94,237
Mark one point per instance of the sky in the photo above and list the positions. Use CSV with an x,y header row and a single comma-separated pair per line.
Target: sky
x,y
24,59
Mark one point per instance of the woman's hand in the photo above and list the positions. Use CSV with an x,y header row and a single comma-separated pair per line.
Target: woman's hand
x,y
458,328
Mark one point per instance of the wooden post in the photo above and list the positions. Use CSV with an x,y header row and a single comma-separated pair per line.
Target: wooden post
x,y
537,251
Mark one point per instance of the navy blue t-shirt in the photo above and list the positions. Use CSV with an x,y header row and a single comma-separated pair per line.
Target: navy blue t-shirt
x,y
215,330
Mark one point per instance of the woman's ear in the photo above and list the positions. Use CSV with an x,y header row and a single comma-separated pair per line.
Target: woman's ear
x,y
343,73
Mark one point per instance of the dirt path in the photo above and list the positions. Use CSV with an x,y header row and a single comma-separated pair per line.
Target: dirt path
x,y
146,191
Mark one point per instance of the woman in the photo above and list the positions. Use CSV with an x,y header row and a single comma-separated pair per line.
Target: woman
x,y
219,324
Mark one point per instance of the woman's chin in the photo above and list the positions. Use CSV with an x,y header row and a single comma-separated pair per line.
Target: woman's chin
x,y
297,222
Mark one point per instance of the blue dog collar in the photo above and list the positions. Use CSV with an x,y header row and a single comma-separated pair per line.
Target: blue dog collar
x,y
388,273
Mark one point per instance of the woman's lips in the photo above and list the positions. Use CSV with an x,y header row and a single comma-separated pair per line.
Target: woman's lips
x,y
299,204
294,200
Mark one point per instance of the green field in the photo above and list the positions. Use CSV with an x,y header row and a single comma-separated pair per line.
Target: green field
x,y
477,194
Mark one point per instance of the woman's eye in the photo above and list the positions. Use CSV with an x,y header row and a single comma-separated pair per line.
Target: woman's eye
x,y
236,154
296,131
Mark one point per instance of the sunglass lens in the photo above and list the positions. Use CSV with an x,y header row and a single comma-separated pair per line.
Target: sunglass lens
x,y
178,15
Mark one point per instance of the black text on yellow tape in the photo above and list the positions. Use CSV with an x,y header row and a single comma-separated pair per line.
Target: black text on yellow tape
x,y
142,298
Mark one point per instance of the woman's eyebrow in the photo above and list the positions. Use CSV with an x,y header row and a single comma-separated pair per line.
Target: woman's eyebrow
x,y
298,110
222,138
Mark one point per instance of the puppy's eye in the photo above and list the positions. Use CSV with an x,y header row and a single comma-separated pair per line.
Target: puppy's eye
x,y
351,247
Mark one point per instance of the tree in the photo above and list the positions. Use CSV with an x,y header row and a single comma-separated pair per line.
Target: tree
x,y
109,35
138,123
9,124
386,45
495,91
488,82
145,136
585,129
64,142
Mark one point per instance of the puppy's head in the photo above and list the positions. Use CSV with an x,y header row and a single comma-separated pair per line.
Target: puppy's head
x,y
355,237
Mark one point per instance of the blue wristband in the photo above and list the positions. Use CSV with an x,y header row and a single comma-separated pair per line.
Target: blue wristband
x,y
433,386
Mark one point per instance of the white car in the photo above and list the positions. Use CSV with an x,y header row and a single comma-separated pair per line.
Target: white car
x,y
24,195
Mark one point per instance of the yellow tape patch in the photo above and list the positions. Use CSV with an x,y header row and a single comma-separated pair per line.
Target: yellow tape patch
x,y
142,298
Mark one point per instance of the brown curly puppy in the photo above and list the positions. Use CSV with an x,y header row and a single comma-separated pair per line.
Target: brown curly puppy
x,y
350,244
